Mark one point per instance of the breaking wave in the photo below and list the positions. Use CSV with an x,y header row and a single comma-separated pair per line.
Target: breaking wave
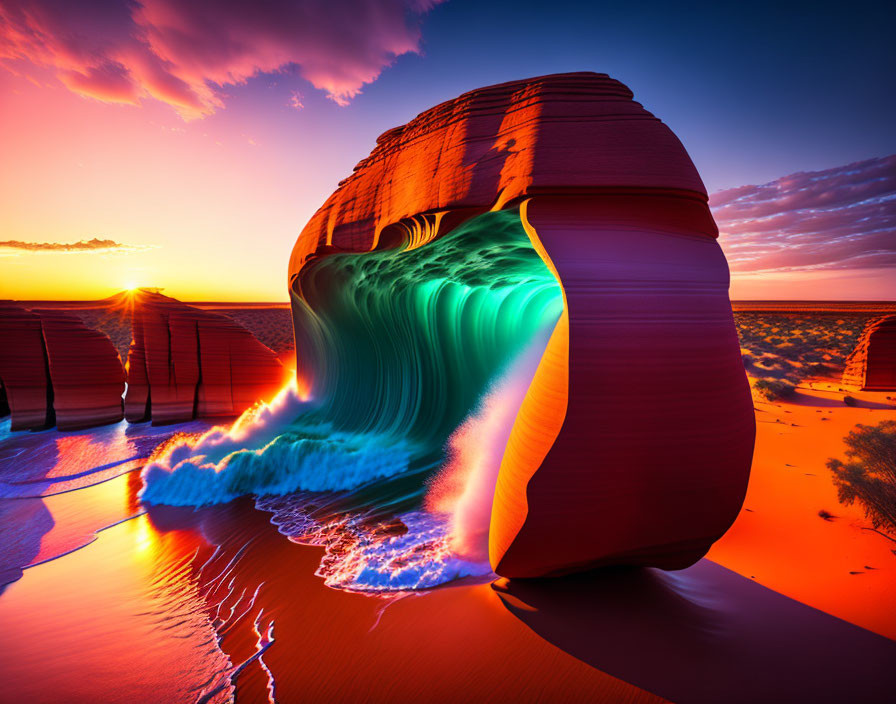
x,y
420,549
399,347
417,362
218,466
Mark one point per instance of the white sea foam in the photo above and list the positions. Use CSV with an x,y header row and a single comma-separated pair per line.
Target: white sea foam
x,y
266,452
446,542
465,488
410,553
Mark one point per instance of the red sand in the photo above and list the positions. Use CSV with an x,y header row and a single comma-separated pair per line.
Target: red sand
x,y
780,540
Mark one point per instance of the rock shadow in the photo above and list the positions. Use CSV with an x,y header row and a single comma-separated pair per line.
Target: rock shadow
x,y
705,634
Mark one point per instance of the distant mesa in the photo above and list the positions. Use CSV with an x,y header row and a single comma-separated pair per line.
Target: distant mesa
x,y
872,364
63,367
634,440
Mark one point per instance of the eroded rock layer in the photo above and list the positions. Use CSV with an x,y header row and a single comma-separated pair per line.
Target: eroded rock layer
x,y
872,364
185,363
85,371
23,368
56,369
491,146
634,440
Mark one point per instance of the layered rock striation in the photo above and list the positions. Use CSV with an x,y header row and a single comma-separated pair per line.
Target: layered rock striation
x,y
872,364
24,375
85,371
634,440
185,363
56,370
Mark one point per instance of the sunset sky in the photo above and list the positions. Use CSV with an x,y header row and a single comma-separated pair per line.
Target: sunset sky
x,y
184,145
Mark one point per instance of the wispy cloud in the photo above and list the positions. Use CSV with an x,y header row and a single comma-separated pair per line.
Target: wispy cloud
x,y
183,53
16,247
840,218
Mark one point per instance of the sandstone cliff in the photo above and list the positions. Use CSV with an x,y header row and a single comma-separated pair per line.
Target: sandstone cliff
x,y
85,371
23,368
54,369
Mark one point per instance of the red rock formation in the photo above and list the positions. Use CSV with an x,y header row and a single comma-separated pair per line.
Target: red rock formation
x,y
23,369
53,367
185,362
634,442
872,364
85,371
163,361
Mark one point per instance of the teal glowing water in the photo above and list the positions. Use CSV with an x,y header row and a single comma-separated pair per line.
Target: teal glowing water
x,y
398,346
410,339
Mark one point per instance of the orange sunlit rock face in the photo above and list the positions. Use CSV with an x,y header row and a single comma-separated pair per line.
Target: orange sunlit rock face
x,y
872,364
633,444
574,132
185,362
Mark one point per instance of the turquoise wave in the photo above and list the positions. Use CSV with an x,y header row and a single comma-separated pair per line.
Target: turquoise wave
x,y
398,346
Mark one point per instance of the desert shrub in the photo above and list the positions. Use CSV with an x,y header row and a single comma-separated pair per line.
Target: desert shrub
x,y
849,401
869,473
773,389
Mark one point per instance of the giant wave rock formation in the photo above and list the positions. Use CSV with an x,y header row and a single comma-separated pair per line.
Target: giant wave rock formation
x,y
554,209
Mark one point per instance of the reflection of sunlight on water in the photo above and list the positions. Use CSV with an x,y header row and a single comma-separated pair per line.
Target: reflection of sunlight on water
x,y
124,605
167,591
50,462
144,535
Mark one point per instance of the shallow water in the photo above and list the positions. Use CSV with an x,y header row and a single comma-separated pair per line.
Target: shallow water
x,y
342,596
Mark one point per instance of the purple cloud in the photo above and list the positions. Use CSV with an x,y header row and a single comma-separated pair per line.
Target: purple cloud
x,y
183,53
840,218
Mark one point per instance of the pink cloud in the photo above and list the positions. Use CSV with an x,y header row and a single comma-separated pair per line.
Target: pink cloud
x,y
840,218
183,53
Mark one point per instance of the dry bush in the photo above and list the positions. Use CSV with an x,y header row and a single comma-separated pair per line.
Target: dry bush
x,y
773,389
869,473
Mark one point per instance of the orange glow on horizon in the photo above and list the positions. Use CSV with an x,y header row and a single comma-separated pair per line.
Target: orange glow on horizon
x,y
166,191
